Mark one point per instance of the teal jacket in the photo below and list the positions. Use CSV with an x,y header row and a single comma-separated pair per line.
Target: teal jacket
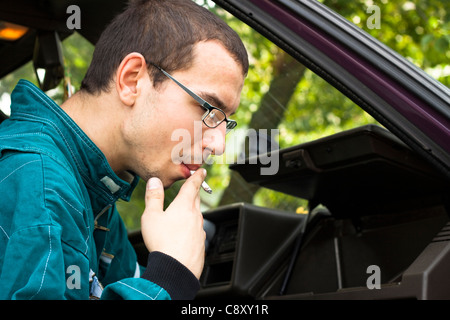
x,y
61,236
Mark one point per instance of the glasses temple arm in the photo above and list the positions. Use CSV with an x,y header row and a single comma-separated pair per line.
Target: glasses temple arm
x,y
202,102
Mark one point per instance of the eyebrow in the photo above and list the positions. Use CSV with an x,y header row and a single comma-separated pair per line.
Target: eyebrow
x,y
215,101
202,95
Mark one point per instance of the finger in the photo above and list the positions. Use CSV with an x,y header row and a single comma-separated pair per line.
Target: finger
x,y
197,202
154,195
193,184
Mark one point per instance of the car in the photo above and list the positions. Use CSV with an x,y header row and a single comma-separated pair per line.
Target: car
x,y
371,217
378,196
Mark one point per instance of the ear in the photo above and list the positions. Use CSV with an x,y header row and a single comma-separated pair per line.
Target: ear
x,y
131,71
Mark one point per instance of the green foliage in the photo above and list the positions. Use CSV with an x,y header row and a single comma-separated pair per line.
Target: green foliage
x,y
77,55
419,30
77,52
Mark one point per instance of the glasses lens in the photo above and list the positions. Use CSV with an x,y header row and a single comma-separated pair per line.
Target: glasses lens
x,y
214,118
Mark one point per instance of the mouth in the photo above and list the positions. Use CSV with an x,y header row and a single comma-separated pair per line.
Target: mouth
x,y
187,168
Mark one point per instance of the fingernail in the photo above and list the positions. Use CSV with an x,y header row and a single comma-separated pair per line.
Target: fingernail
x,y
204,172
153,183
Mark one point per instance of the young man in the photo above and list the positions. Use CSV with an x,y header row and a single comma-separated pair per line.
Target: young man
x,y
63,168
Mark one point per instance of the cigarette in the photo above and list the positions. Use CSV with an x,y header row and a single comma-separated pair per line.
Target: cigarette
x,y
204,184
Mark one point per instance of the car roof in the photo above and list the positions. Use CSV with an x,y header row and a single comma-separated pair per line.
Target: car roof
x,y
50,15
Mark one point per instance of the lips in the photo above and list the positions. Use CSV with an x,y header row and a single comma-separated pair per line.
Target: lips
x,y
192,167
187,168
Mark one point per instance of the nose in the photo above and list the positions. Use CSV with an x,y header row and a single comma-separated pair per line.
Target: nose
x,y
214,139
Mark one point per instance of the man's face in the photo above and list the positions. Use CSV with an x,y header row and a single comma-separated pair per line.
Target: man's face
x,y
166,136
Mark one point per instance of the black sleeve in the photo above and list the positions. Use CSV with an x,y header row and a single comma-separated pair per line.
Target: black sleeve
x,y
174,277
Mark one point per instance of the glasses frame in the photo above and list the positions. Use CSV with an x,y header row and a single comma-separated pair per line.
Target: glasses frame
x,y
230,124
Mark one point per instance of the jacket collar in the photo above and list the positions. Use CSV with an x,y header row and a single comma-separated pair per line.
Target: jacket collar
x,y
30,103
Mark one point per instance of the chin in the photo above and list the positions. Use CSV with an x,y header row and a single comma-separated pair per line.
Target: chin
x,y
170,174
169,181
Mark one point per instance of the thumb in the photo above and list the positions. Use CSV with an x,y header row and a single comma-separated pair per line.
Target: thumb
x,y
154,195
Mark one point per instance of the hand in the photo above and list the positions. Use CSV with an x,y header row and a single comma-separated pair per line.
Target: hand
x,y
178,231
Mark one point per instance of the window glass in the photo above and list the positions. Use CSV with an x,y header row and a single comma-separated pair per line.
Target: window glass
x,y
282,98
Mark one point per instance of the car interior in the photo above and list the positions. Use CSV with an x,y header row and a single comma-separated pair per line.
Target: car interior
x,y
372,202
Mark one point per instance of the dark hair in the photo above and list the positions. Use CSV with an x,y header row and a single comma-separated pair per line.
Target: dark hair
x,y
164,32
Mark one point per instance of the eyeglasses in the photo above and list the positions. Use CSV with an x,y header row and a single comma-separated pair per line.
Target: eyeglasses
x,y
213,116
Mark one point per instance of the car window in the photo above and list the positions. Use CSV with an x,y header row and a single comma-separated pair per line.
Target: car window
x,y
282,101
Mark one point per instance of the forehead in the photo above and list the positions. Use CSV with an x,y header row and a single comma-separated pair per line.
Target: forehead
x,y
214,55
215,76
